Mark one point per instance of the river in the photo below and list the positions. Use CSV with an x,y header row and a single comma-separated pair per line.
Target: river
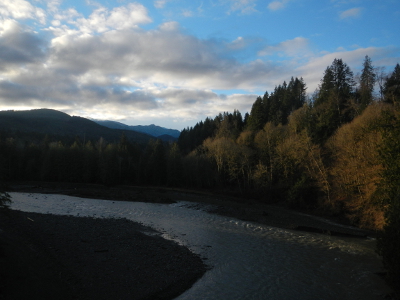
x,y
247,260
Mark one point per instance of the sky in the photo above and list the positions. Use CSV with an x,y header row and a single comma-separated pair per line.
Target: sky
x,y
173,63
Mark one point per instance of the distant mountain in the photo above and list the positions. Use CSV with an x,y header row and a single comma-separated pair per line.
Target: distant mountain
x,y
153,130
56,123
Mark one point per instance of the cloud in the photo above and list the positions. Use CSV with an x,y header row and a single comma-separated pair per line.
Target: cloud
x,y
244,7
18,46
104,65
195,104
169,26
53,5
160,3
177,97
68,16
239,43
312,71
350,13
165,56
277,5
161,72
20,9
187,13
119,18
292,48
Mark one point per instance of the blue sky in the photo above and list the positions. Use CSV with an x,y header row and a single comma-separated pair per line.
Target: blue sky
x,y
173,63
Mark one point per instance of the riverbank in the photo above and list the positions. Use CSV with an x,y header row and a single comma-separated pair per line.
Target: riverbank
x,y
235,207
85,258
45,256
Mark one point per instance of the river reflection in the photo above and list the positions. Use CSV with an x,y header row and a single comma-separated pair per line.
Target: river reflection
x,y
247,260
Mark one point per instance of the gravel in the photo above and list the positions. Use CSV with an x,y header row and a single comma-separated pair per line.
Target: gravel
x,y
44,256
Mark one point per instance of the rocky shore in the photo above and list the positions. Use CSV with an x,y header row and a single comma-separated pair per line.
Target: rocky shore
x,y
45,256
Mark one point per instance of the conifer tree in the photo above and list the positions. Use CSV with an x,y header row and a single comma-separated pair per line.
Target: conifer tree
x,y
367,82
258,114
325,87
332,105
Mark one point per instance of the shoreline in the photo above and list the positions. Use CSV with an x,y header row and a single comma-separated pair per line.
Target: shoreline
x,y
243,209
45,256
48,253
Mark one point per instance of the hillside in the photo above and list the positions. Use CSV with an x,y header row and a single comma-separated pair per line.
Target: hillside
x,y
56,123
153,130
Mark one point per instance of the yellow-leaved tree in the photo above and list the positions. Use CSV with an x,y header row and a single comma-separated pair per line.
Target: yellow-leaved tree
x,y
356,170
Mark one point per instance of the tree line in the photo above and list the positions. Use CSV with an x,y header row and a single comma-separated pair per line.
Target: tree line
x,y
335,150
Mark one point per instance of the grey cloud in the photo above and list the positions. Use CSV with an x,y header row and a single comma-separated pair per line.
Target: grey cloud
x,y
184,96
15,94
71,95
11,93
19,47
89,96
134,70
134,51
139,99
198,103
164,56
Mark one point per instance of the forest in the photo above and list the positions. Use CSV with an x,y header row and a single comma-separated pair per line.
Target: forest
x,y
336,150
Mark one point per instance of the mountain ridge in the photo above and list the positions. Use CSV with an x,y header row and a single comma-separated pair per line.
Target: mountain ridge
x,y
153,130
56,123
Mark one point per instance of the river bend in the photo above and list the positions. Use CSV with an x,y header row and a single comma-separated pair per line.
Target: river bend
x,y
247,260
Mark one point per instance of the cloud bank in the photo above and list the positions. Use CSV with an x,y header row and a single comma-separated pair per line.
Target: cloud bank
x,y
105,65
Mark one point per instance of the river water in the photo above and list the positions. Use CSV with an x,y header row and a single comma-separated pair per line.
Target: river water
x,y
247,260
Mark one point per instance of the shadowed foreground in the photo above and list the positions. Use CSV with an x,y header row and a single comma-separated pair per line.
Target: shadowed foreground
x,y
62,257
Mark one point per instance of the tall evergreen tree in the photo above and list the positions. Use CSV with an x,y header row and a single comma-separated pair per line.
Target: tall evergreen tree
x,y
258,114
342,77
343,91
333,104
276,104
367,82
295,97
325,87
